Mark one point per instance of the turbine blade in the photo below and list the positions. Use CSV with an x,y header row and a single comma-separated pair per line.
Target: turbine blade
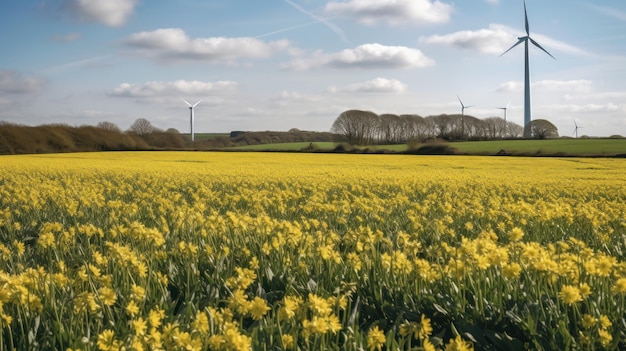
x,y
460,101
194,105
526,19
539,46
185,101
521,40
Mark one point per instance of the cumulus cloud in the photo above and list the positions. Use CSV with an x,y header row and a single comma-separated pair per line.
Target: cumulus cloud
x,y
168,89
392,12
496,39
571,86
12,82
366,56
173,44
112,13
377,85
493,40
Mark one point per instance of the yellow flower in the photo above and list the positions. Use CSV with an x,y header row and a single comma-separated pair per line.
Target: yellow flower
x,y
458,344
511,270
605,337
140,326
137,293
289,308
258,308
516,234
620,286
46,240
319,305
108,296
201,323
106,341
132,309
570,294
287,341
375,339
155,317
605,322
588,321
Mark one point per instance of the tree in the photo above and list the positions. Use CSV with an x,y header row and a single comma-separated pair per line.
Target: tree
x,y
543,129
357,126
142,127
110,126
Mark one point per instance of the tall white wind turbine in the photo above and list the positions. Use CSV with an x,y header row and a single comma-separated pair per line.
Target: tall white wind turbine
x,y
525,40
191,117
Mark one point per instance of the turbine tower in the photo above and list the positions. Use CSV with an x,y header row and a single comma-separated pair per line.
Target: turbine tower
x,y
525,40
191,118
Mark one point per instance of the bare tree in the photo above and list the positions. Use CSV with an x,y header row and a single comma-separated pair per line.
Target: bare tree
x,y
142,127
357,126
110,126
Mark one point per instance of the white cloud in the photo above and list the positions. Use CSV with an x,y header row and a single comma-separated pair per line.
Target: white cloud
x,y
377,85
113,13
12,82
496,40
493,2
493,40
366,56
169,89
173,44
393,12
575,86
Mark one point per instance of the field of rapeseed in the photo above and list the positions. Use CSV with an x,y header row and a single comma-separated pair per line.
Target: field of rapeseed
x,y
239,251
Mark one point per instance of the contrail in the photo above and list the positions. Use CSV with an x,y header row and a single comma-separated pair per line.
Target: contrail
x,y
322,20
286,29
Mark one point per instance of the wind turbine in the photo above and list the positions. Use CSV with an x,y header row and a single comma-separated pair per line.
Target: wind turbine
x,y
463,107
505,108
576,129
525,40
191,119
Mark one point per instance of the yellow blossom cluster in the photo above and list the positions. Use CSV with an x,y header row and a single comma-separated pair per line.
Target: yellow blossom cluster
x,y
240,251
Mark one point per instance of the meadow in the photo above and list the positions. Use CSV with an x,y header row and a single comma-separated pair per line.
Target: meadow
x,y
296,251
565,146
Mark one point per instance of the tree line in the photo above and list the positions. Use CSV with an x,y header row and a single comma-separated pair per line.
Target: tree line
x,y
368,128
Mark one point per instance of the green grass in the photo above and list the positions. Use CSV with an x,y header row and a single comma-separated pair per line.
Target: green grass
x,y
205,136
566,146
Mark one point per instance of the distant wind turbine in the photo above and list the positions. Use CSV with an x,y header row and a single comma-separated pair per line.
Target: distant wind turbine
x,y
505,109
525,40
576,129
463,107
191,117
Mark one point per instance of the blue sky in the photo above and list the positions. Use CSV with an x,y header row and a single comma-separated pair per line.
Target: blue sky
x,y
282,64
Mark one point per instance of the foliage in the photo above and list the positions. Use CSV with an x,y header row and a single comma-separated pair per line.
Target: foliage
x,y
543,129
367,128
223,251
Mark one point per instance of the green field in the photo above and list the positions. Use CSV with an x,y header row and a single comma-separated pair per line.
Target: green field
x,y
587,147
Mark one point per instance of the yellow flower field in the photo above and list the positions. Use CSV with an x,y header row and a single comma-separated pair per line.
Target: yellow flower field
x,y
274,251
